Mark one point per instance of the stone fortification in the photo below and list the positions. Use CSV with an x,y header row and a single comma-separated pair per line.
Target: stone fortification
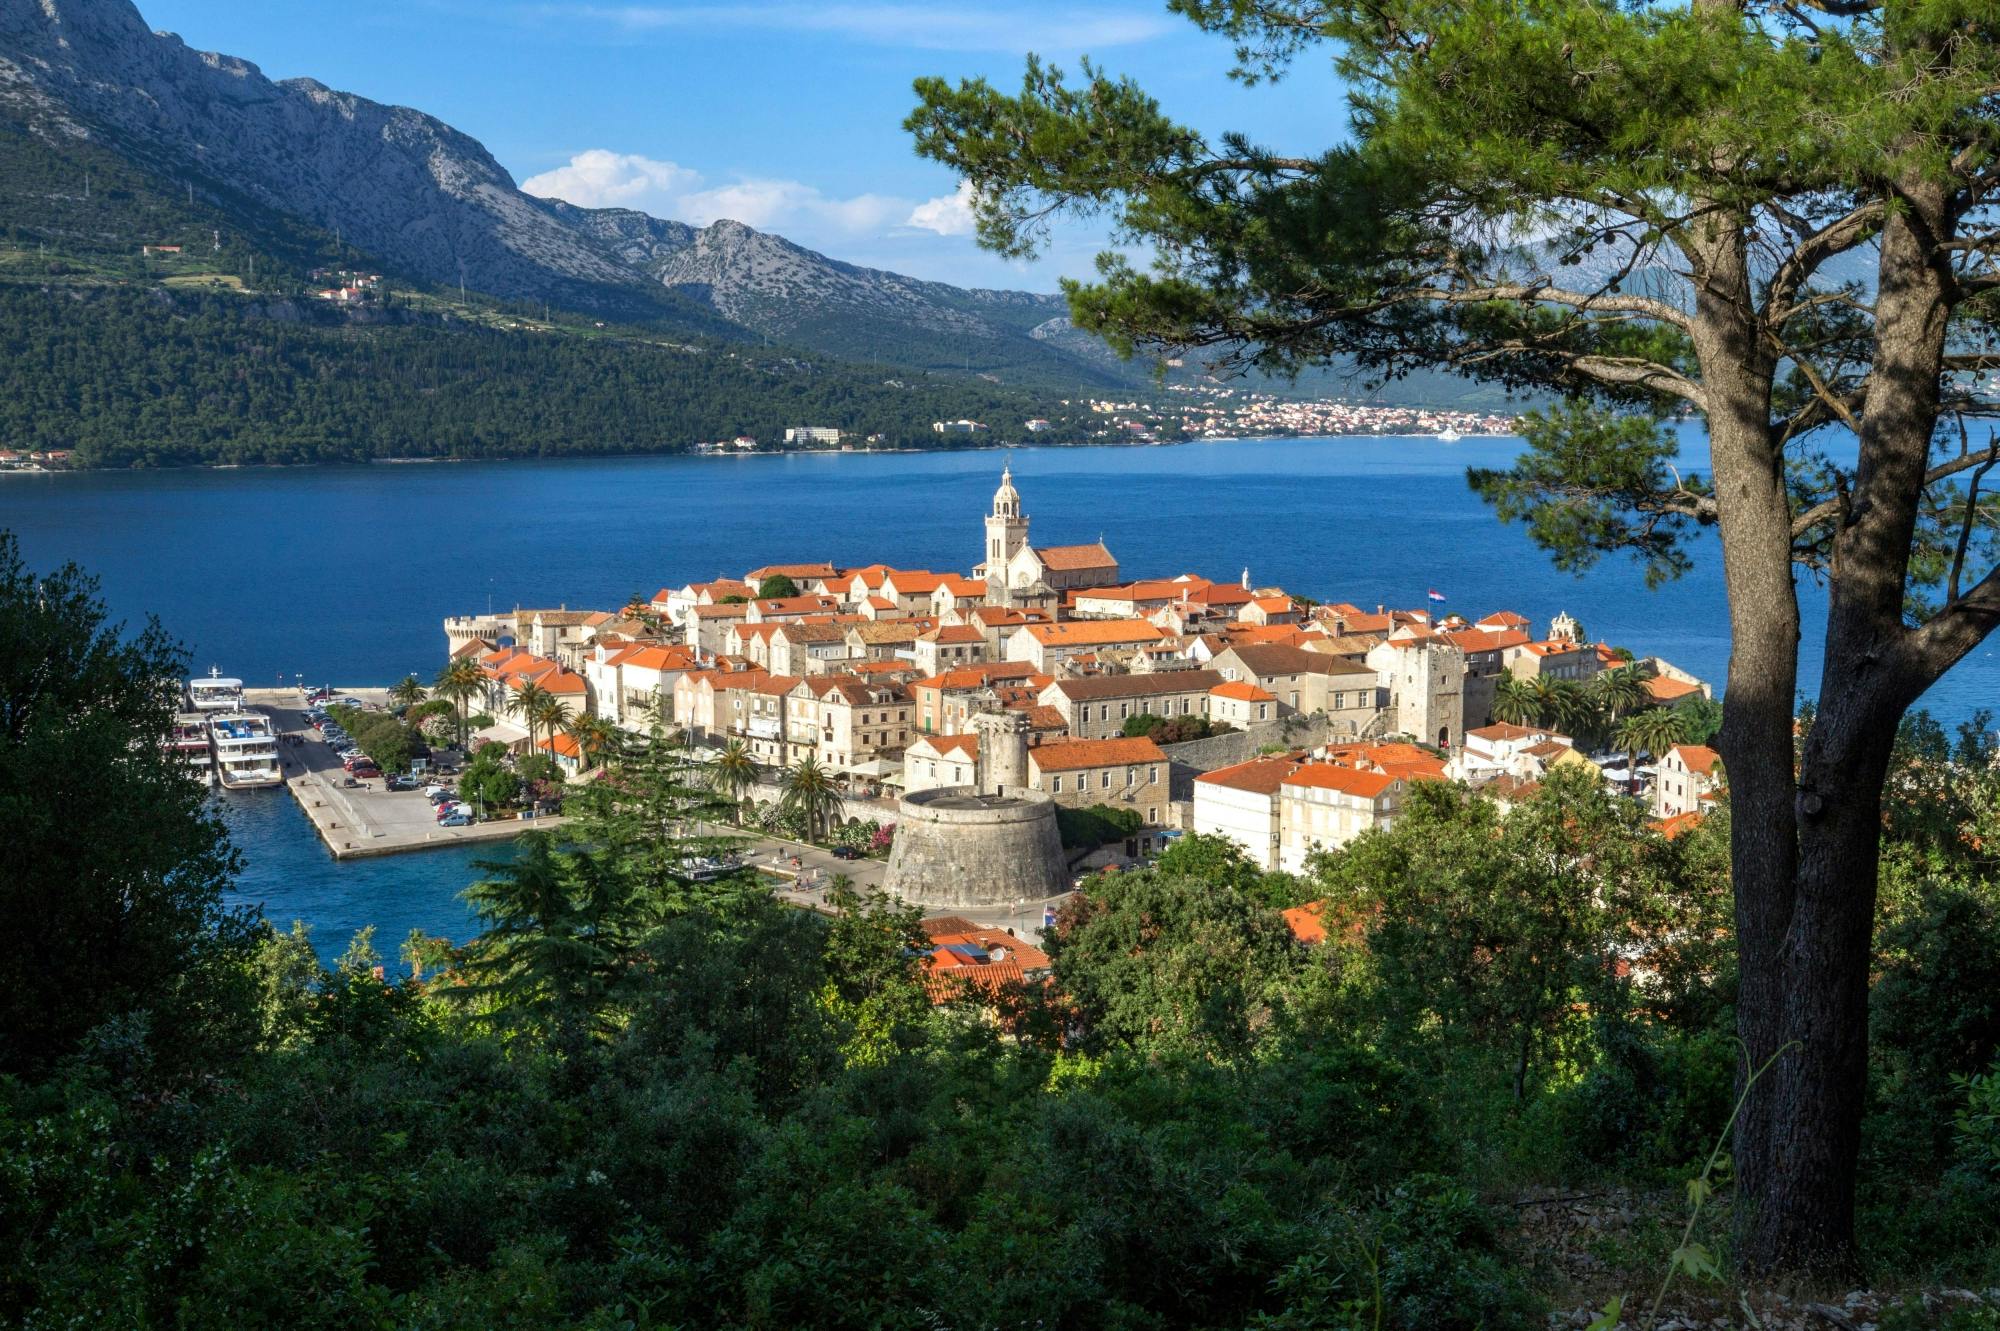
x,y
958,847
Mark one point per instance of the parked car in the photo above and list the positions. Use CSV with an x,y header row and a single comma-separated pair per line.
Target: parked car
x,y
367,771
457,819
401,783
846,853
439,794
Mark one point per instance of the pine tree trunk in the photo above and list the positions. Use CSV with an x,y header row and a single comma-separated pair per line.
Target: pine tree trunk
x,y
1799,1216
1804,944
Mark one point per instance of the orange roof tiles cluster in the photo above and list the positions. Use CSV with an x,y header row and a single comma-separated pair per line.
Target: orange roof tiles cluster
x,y
1345,780
1073,754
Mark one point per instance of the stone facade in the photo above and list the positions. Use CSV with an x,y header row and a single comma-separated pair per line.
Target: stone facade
x,y
956,847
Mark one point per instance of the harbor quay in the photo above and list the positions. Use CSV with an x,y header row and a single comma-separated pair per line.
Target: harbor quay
x,y
366,819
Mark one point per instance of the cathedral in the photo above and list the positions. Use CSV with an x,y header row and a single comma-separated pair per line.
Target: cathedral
x,y
1034,577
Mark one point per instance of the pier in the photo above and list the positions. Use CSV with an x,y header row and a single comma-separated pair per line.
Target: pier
x,y
355,822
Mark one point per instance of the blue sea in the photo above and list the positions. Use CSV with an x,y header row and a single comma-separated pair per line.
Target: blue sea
x,y
342,575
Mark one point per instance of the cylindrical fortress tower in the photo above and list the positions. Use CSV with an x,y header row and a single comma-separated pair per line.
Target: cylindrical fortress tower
x,y
1003,751
960,847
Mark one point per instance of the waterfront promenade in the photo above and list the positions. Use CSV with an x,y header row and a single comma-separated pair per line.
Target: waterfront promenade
x,y
366,819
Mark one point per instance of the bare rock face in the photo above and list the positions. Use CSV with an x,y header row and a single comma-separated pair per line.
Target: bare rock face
x,y
431,202
393,181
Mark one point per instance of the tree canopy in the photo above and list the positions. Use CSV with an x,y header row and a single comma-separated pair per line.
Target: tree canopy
x,y
1776,217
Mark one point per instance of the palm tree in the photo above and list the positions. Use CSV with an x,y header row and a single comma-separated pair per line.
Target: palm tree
x,y
1514,702
593,736
410,692
732,774
459,683
1620,691
1559,703
527,704
1652,731
811,794
551,714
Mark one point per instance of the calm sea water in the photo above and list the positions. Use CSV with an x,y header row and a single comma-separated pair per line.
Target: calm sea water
x,y
342,575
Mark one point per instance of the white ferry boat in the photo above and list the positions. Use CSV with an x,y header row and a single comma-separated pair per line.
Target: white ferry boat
x,y
187,739
216,693
1448,435
246,749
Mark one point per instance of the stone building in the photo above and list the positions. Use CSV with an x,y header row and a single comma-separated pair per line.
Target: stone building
x,y
1019,574
1079,773
991,843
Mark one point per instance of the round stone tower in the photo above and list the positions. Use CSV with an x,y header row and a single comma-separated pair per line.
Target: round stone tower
x,y
1003,751
964,848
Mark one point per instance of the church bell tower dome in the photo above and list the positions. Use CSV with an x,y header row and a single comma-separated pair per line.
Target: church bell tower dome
x,y
1007,500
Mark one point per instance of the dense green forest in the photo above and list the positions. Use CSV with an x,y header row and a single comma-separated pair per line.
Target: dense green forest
x,y
641,1101
138,377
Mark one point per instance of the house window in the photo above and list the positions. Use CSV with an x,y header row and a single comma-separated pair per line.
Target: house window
x,y
1057,786
1104,782
1153,775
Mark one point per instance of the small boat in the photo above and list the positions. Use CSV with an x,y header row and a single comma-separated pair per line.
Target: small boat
x,y
245,748
1449,436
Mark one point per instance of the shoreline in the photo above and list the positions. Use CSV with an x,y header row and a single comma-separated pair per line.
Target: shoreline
x,y
648,454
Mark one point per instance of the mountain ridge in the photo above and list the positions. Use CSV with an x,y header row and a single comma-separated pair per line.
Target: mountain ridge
x,y
429,202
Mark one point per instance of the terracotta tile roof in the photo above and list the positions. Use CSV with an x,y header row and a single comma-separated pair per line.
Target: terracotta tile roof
x,y
1511,789
810,631
797,605
979,676
1259,776
1504,619
1305,923
1000,616
1272,604
909,582
1046,720
1485,640
889,630
1264,659
1218,594
954,633
737,611
1698,757
869,668
1070,754
1242,691
1678,825
1346,780
1663,689
793,571
561,744
1504,730
655,658
1094,688
959,746
957,586
1075,558
1094,632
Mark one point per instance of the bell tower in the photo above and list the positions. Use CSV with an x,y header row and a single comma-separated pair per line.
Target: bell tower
x,y
1006,533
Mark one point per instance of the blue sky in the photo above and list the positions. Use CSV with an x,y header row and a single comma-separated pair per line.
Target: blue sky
x,y
784,115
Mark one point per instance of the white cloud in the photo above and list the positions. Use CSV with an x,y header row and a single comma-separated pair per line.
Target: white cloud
x,y
774,204
933,27
947,215
601,178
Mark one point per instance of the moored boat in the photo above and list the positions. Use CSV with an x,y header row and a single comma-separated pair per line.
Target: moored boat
x,y
187,739
245,748
215,692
